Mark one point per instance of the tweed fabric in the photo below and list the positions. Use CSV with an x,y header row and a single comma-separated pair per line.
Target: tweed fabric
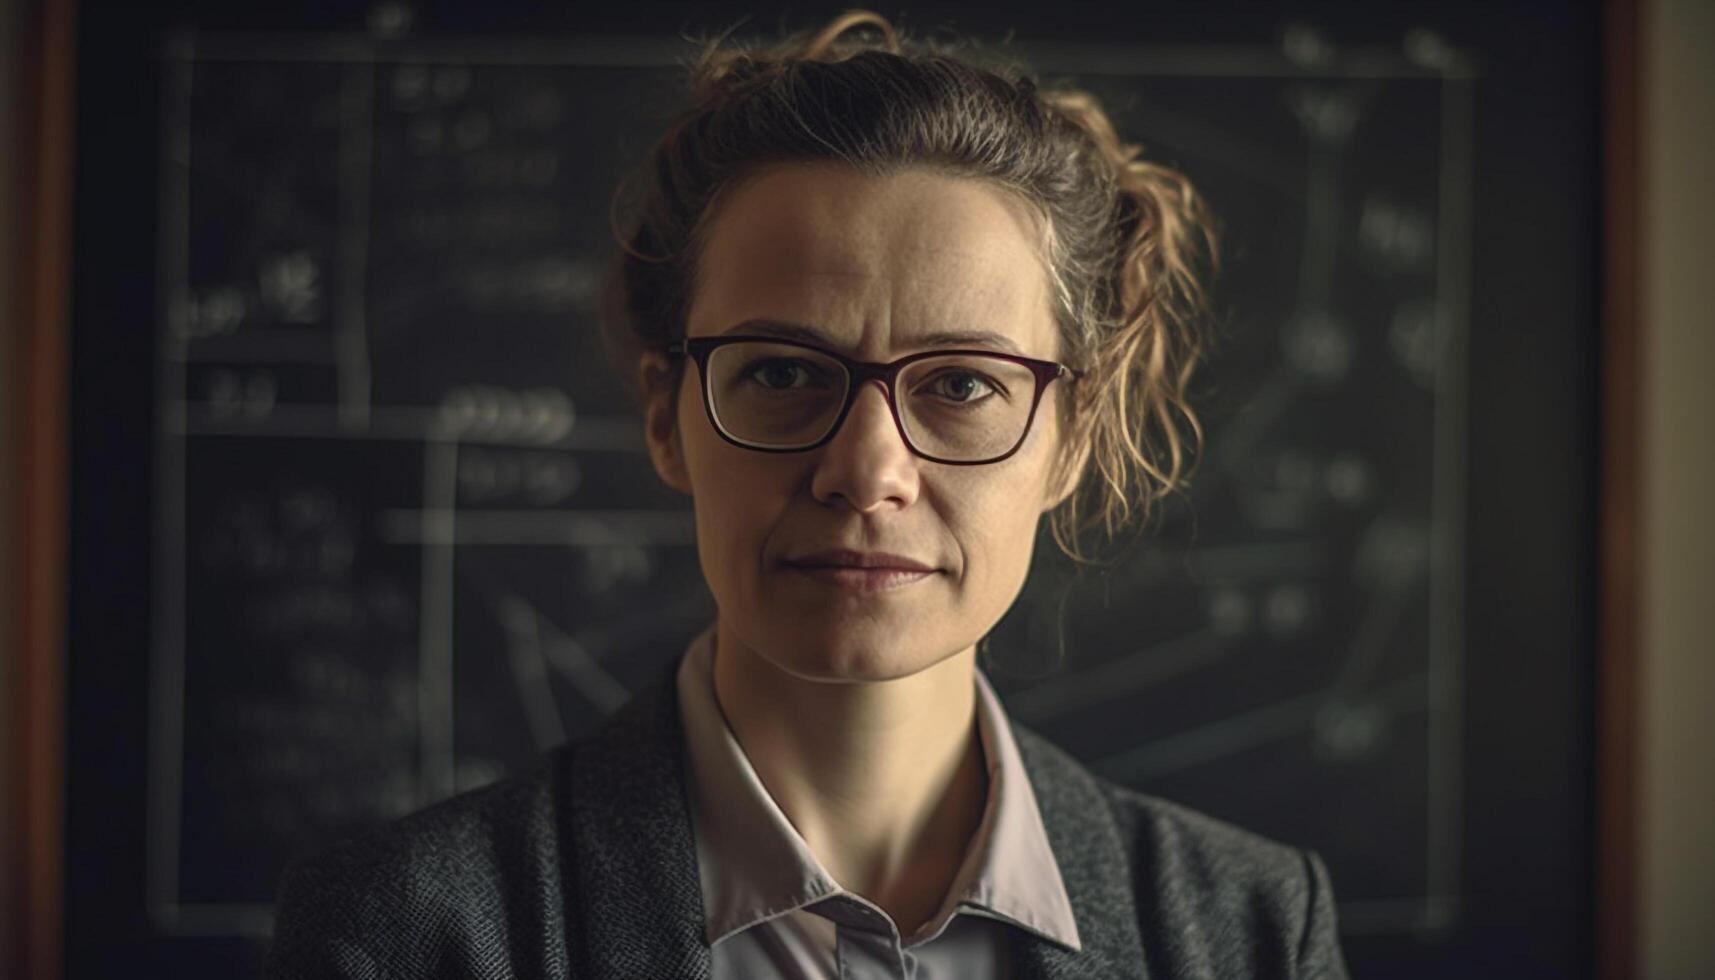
x,y
585,867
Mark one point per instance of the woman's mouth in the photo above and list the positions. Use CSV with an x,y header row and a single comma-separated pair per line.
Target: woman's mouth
x,y
861,579
861,571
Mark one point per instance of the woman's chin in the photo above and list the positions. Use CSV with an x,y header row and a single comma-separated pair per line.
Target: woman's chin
x,y
856,652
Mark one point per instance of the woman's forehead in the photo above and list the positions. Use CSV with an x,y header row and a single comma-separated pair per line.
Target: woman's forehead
x,y
875,261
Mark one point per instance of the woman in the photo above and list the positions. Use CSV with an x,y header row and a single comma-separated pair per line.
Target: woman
x,y
886,310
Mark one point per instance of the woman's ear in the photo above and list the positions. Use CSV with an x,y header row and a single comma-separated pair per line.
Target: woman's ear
x,y
659,383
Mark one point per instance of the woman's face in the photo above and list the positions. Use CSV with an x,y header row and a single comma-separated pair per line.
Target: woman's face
x,y
877,267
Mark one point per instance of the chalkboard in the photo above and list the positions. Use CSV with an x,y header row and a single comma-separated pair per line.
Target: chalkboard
x,y
403,537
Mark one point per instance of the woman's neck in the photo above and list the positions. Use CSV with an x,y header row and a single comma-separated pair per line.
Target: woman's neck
x,y
885,780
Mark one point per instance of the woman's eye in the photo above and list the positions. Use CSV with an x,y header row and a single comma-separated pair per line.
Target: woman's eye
x,y
962,386
779,373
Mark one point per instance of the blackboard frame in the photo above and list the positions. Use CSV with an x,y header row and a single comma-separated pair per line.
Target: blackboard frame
x,y
108,598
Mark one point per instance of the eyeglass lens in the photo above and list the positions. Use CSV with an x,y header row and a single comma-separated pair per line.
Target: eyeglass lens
x,y
955,407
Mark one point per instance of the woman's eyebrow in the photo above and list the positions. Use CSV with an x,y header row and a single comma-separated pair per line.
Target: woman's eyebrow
x,y
970,338
782,329
944,338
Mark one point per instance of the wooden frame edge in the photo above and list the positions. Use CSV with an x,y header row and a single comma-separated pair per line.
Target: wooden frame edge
x,y
39,389
1619,651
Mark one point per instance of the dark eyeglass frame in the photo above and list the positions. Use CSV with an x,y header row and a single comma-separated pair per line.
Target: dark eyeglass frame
x,y
698,349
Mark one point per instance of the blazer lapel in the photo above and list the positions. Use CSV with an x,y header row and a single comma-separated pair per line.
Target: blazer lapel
x,y
1091,854
634,903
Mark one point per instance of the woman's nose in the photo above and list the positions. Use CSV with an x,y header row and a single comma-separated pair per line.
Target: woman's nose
x,y
867,462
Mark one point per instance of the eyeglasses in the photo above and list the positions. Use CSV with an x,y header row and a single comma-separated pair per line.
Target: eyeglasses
x,y
963,407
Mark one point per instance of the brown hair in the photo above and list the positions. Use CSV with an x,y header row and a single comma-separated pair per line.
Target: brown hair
x,y
1124,238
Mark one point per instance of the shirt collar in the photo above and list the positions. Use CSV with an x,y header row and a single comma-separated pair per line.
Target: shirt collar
x,y
754,865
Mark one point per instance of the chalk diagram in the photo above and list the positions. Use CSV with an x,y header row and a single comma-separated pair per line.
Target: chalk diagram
x,y
407,536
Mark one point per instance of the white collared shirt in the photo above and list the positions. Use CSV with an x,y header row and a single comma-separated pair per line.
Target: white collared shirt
x,y
772,911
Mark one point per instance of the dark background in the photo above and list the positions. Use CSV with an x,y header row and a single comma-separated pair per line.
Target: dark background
x,y
1523,904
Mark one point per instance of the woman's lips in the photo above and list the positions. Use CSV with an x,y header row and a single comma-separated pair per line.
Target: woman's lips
x,y
862,579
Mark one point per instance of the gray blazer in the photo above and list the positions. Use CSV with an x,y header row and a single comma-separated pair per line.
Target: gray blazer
x,y
586,867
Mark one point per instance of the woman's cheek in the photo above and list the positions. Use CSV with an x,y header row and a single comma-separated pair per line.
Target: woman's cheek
x,y
1002,541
